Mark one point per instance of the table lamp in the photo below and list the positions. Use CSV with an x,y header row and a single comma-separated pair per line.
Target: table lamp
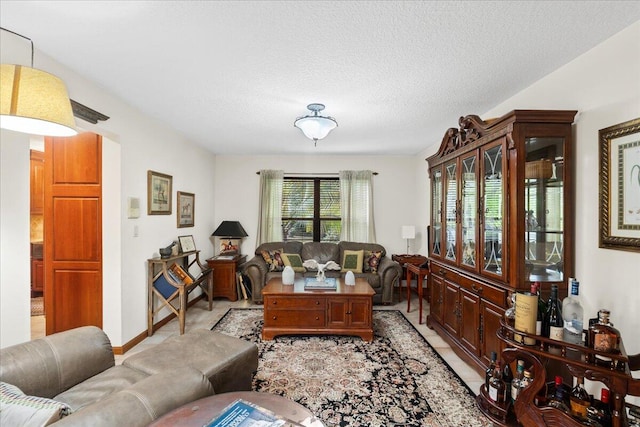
x,y
408,232
228,230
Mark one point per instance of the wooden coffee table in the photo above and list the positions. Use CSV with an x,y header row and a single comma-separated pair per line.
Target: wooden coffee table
x,y
290,310
202,411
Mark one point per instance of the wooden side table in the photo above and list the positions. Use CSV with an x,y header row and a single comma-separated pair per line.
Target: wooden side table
x,y
403,260
224,275
420,272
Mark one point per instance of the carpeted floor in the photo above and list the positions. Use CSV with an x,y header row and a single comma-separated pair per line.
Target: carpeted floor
x,y
397,380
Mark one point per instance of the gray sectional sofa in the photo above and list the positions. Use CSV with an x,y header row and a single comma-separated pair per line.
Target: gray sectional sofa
x,y
71,379
382,278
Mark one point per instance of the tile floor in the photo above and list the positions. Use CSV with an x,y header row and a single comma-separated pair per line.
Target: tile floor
x,y
199,317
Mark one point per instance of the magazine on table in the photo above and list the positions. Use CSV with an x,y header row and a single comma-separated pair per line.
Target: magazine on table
x,y
242,413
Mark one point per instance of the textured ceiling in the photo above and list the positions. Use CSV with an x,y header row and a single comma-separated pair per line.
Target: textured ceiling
x,y
233,76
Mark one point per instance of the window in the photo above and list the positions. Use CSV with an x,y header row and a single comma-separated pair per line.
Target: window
x,y
311,209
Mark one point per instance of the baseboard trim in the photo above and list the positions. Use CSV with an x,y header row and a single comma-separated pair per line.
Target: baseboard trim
x,y
142,335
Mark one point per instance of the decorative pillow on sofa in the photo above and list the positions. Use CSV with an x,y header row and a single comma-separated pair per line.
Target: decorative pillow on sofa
x,y
18,409
352,261
273,259
371,261
294,261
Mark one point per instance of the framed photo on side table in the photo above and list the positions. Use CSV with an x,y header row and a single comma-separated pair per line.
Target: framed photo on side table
x,y
158,193
187,244
620,186
186,209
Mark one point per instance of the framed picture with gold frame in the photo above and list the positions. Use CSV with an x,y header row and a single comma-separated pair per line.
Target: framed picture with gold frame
x,y
158,193
620,186
186,209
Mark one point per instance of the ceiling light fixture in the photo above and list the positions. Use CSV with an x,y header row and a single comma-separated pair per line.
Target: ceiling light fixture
x,y
33,101
314,126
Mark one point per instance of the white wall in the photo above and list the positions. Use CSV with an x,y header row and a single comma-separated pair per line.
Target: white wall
x,y
394,189
134,144
14,238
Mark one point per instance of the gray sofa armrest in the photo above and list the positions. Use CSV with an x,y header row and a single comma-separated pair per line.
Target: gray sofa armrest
x,y
145,401
48,366
390,273
256,268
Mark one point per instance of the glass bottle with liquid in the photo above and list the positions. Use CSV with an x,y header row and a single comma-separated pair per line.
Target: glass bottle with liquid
x,y
603,337
573,315
553,325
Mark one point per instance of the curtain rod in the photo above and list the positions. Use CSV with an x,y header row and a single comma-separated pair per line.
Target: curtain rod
x,y
313,173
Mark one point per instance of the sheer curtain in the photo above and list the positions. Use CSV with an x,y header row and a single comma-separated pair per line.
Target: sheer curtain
x,y
270,214
356,200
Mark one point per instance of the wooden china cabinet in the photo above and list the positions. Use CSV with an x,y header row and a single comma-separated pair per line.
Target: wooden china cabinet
x,y
501,217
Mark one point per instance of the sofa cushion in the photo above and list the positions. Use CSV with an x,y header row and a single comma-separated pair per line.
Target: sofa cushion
x,y
371,261
273,259
294,261
322,252
19,409
100,386
352,261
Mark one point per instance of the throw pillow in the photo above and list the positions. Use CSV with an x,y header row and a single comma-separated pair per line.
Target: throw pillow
x,y
294,261
273,259
18,409
352,261
371,261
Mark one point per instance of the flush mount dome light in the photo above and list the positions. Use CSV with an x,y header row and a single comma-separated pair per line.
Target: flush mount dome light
x,y
314,126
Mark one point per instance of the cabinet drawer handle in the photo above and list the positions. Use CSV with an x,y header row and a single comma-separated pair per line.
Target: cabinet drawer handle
x,y
317,302
477,289
275,302
442,272
275,317
317,318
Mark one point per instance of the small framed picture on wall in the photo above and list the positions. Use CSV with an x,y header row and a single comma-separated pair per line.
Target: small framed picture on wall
x,y
186,209
158,193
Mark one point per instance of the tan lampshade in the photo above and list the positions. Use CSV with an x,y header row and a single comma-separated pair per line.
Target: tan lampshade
x,y
35,102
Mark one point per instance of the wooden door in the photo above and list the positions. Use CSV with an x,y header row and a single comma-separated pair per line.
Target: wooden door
x,y
490,323
360,312
451,307
435,304
73,232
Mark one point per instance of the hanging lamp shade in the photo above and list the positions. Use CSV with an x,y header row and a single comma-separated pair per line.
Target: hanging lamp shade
x,y
314,126
33,101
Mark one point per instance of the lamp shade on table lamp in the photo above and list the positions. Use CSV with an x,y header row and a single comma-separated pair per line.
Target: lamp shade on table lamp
x,y
230,229
408,232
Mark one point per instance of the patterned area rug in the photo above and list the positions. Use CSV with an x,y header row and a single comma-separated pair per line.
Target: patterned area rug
x,y
37,306
397,380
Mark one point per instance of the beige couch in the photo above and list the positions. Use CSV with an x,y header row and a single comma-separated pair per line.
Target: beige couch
x,y
74,371
383,278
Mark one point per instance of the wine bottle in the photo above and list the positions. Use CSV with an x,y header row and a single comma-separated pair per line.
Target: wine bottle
x,y
600,411
560,398
489,372
580,400
573,316
553,325
507,377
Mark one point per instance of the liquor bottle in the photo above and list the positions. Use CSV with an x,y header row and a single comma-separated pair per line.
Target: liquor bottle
x,y
600,410
496,385
604,338
553,324
573,316
560,398
507,377
580,400
489,372
535,289
526,380
516,383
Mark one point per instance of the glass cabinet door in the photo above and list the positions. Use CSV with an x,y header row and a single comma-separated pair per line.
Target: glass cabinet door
x,y
451,210
493,199
544,209
436,212
469,214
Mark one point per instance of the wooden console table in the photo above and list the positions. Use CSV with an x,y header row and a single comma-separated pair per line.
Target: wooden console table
x,y
420,273
405,260
159,267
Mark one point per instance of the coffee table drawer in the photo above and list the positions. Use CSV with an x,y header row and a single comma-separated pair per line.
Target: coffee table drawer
x,y
297,318
304,303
